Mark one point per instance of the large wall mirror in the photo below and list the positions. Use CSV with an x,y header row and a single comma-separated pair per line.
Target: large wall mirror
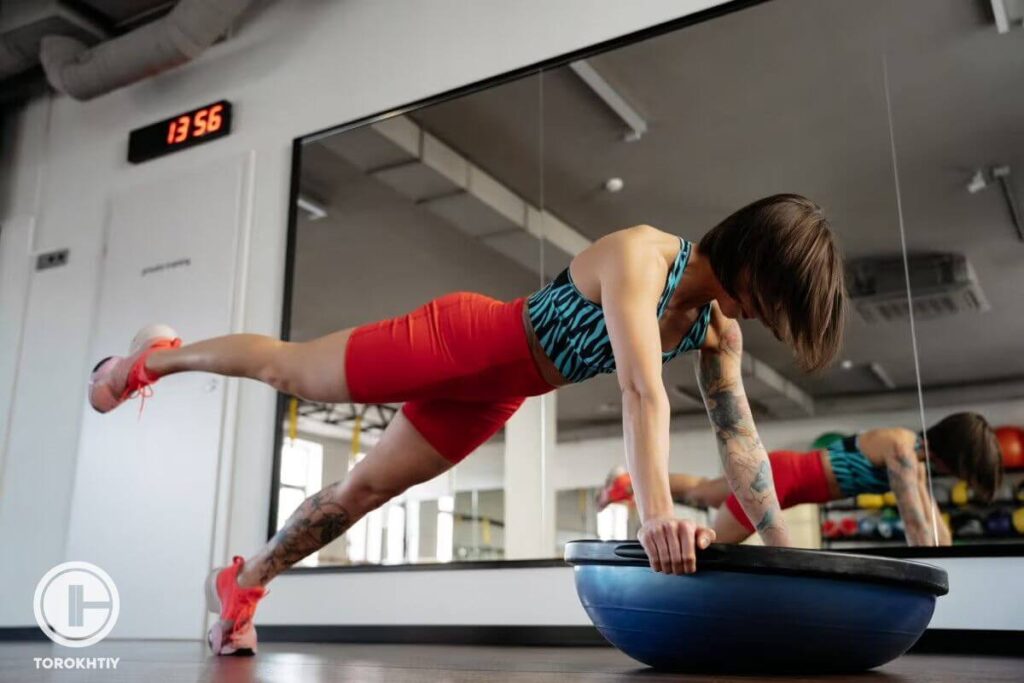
x,y
495,190
958,127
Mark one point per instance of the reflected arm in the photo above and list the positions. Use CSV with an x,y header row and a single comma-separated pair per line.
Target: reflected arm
x,y
906,481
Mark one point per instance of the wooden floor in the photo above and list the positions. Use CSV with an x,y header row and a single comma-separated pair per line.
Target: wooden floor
x,y
181,662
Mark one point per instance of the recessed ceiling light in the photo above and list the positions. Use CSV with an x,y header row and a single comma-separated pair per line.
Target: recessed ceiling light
x,y
614,185
847,364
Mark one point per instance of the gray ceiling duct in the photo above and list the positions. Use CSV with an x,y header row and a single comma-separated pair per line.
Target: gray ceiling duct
x,y
24,23
12,60
187,30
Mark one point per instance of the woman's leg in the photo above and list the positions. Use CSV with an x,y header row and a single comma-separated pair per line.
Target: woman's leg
x,y
686,489
313,370
728,529
698,491
402,458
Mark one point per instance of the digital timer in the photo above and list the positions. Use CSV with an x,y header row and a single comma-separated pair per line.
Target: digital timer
x,y
180,132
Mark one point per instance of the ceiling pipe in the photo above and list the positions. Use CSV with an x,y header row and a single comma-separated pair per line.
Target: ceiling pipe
x,y
183,34
24,24
12,60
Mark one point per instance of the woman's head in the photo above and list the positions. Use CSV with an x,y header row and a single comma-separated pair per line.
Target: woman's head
x,y
965,444
779,257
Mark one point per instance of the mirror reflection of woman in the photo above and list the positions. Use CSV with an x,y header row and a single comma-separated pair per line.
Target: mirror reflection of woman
x,y
464,363
875,461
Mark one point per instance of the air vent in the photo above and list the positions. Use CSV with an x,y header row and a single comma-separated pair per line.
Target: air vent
x,y
941,285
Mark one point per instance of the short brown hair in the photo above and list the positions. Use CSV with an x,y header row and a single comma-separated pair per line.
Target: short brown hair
x,y
967,445
782,249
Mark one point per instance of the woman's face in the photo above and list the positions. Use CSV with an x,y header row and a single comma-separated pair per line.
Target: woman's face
x,y
737,308
937,465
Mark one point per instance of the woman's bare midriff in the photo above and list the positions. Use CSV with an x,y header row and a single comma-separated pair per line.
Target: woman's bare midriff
x,y
830,476
544,365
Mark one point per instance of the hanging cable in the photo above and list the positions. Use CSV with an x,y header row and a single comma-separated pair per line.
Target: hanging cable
x,y
910,301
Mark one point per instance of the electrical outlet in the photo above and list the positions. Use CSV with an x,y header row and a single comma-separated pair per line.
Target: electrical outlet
x,y
52,259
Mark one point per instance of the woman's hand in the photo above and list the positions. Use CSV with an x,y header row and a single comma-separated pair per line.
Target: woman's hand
x,y
671,543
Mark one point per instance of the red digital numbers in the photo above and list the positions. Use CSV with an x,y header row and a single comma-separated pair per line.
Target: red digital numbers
x,y
203,122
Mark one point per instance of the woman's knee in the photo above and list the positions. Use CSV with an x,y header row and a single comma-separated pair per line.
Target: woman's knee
x,y
372,492
313,370
277,367
728,529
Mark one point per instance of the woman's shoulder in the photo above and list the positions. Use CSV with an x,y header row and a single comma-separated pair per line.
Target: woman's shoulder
x,y
643,233
723,331
634,246
885,442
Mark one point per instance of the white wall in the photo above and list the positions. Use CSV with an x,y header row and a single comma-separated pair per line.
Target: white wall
x,y
295,66
547,597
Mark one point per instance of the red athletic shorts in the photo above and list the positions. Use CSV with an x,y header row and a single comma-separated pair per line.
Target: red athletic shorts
x,y
461,363
799,478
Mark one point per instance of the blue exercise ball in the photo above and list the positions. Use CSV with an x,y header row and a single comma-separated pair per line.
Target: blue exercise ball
x,y
756,609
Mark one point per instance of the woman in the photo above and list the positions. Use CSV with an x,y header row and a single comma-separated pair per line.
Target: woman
x,y
875,461
464,363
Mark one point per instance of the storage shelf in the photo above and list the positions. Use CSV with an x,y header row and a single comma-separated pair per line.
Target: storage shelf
x,y
970,540
849,507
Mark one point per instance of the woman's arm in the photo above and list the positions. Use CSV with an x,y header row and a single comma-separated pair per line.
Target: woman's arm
x,y
907,482
945,537
630,288
743,456
928,501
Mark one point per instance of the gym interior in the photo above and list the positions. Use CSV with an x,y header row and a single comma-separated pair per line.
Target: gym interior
x,y
321,165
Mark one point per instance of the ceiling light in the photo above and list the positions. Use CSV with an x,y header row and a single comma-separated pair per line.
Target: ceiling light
x,y
614,185
977,183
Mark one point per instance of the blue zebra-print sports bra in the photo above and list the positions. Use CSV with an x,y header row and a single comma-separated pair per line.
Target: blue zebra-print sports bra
x,y
571,328
854,473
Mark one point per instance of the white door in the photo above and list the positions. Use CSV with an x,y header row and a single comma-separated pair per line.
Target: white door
x,y
145,485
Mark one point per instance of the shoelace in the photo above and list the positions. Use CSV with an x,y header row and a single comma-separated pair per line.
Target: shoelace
x,y
245,608
137,374
143,393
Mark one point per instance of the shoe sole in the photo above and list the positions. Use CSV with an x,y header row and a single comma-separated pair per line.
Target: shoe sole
x,y
215,636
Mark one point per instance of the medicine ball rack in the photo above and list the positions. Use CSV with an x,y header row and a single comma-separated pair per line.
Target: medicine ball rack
x,y
966,519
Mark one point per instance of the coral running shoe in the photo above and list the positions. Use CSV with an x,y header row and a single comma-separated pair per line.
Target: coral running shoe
x,y
116,379
234,633
618,488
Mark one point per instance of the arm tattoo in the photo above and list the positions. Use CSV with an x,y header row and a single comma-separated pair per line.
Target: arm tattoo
x,y
724,412
763,480
317,522
766,522
906,497
906,462
743,455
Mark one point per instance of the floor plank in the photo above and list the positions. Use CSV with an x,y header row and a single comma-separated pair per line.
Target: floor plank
x,y
181,662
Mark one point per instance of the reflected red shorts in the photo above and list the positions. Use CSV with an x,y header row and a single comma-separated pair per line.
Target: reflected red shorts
x,y
461,363
799,478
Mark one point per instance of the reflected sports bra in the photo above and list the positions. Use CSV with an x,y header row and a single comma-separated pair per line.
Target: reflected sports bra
x,y
854,473
571,328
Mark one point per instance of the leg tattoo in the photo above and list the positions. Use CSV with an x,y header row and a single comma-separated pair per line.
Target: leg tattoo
x,y
317,522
